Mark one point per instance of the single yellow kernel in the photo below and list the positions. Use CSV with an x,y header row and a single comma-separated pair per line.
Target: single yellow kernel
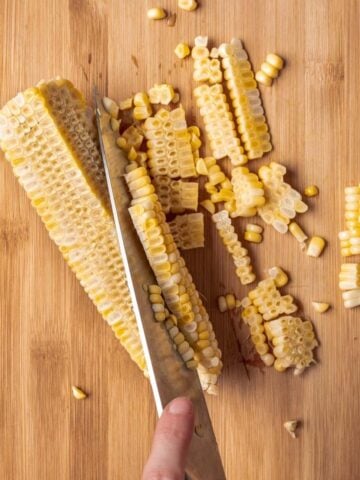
x,y
156,13
78,393
208,205
182,50
262,78
253,237
222,304
311,191
315,247
275,60
132,155
188,5
126,104
321,307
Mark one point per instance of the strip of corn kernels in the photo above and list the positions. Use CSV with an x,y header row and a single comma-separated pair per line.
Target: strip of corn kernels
x,y
231,241
169,144
176,196
48,158
282,201
248,191
173,277
188,231
219,123
246,100
350,238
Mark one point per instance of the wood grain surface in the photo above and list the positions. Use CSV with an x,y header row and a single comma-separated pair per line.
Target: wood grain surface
x,y
50,334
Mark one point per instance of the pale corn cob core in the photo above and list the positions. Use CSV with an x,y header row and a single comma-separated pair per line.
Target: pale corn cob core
x,y
51,145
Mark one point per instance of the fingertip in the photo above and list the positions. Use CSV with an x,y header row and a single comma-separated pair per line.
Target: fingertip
x,y
181,406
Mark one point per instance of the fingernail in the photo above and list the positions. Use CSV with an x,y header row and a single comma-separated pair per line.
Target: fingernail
x,y
181,406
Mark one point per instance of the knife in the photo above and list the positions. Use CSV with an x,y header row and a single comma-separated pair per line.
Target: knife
x,y
169,377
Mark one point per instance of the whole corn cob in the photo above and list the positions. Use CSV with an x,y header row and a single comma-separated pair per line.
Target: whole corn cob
x,y
50,142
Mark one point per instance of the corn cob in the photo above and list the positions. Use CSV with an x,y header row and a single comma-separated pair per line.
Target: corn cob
x,y
219,123
282,201
169,144
178,289
50,142
230,239
176,196
246,99
188,231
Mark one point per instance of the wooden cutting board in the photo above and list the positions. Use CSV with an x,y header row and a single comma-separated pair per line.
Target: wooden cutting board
x,y
50,334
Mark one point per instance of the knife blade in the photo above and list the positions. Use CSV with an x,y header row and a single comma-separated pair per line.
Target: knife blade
x,y
169,377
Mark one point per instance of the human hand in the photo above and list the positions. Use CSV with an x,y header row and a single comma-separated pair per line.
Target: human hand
x,y
171,442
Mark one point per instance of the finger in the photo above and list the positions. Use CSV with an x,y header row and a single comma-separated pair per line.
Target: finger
x,y
171,441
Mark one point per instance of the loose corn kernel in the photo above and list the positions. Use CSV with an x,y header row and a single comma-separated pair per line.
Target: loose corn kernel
x,y
208,205
311,191
115,124
269,70
253,237
188,5
78,393
252,227
126,104
156,13
222,306
279,276
297,232
132,155
176,98
321,307
291,426
182,50
315,247
111,107
275,60
262,78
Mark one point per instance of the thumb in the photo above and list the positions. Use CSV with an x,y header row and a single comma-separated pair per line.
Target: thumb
x,y
171,441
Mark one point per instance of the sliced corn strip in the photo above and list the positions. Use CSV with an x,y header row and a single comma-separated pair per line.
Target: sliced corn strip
x,y
182,50
219,123
293,341
188,231
248,191
320,307
169,144
254,320
282,201
350,238
176,196
270,69
206,69
162,94
156,13
243,268
349,282
246,100
315,247
54,153
178,289
78,393
311,191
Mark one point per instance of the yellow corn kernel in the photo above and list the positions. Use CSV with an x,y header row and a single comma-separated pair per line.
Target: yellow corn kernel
x,y
321,307
311,191
182,50
126,104
115,124
201,167
78,393
111,107
315,247
275,60
211,189
253,237
291,426
297,232
176,98
188,5
194,129
222,305
230,301
142,112
141,99
279,276
156,13
132,155
251,227
208,205
262,78
269,70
